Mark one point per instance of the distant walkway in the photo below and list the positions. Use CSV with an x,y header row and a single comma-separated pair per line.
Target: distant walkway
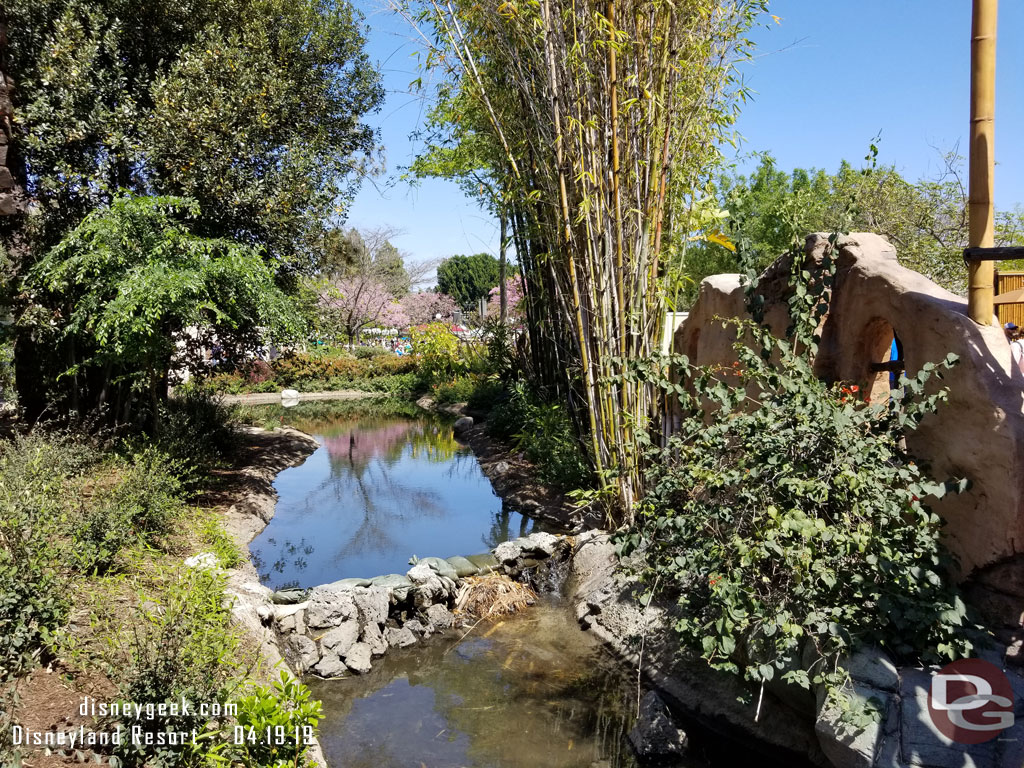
x,y
272,398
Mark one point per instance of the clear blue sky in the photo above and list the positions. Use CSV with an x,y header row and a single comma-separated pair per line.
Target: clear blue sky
x,y
828,78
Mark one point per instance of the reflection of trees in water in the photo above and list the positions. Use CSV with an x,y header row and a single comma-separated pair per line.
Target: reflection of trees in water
x,y
501,527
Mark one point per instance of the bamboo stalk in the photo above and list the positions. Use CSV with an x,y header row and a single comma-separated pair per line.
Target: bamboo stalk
x,y
980,277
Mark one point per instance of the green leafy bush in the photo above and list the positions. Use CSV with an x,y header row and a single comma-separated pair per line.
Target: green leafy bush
x,y
282,710
197,433
787,519
545,435
437,349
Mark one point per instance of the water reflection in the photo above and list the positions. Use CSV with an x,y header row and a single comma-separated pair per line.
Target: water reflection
x,y
530,692
377,491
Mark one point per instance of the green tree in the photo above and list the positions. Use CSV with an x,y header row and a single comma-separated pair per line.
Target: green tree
x,y
132,289
467,279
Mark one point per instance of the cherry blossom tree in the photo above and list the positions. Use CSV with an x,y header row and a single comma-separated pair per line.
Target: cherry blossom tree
x,y
514,291
423,308
354,303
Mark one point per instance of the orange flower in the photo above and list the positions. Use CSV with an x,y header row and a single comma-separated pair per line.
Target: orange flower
x,y
855,388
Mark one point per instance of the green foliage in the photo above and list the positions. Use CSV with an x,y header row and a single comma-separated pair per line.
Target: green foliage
x,y
544,433
130,279
437,350
786,517
213,534
197,432
182,647
250,107
285,709
36,474
467,279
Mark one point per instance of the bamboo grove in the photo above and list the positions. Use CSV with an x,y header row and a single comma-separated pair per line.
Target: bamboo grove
x,y
603,119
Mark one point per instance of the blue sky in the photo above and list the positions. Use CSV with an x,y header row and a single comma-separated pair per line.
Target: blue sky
x,y
827,79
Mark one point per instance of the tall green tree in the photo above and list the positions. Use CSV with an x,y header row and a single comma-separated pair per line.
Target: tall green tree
x,y
251,108
467,279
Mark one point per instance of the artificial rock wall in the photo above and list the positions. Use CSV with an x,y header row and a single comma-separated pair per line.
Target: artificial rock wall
x,y
978,433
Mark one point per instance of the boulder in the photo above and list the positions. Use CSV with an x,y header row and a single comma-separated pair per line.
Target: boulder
x,y
417,628
463,567
372,604
440,617
421,573
508,551
374,638
844,747
304,651
341,638
441,567
540,543
486,562
290,618
873,667
655,735
399,638
329,607
330,666
462,424
358,658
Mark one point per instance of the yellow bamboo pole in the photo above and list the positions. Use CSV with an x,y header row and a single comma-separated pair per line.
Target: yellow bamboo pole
x,y
982,157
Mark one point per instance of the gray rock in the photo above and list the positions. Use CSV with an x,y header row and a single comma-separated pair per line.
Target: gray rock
x,y
540,543
358,658
374,638
304,651
417,628
391,581
462,566
843,747
486,562
421,573
501,468
330,666
329,607
508,551
440,617
340,639
441,567
655,735
399,638
462,424
372,604
873,667
290,618
288,596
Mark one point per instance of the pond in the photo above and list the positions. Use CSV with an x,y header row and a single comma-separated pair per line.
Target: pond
x,y
531,691
379,489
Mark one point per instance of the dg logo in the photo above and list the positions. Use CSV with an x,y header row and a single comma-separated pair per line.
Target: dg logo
x,y
971,701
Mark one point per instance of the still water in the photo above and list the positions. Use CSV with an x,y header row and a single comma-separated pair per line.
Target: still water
x,y
377,491
532,691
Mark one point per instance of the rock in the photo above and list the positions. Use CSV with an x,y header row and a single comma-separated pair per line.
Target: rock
x,y
290,618
873,667
441,567
540,543
255,588
399,638
340,639
417,628
358,658
265,613
508,551
372,604
374,638
288,596
486,562
204,561
462,566
330,666
391,581
329,607
289,394
421,573
462,424
440,617
655,735
502,468
851,749
304,651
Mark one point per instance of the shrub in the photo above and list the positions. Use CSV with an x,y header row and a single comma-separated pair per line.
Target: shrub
x,y
197,433
368,353
786,517
438,351
284,708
